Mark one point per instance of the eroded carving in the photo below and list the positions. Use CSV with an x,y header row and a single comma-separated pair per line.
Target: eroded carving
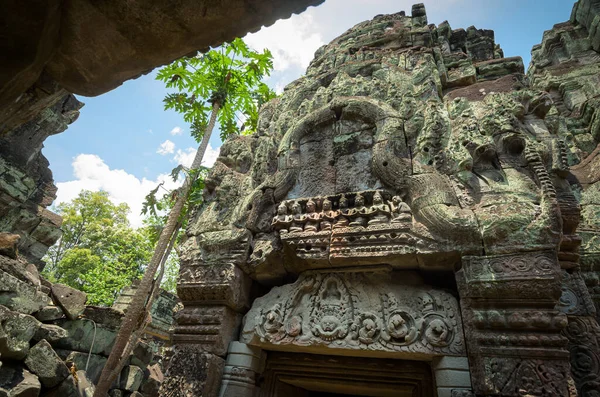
x,y
373,312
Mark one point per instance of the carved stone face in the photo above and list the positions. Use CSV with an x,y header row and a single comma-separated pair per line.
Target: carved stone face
x,y
282,209
377,199
310,206
359,201
296,209
326,205
343,202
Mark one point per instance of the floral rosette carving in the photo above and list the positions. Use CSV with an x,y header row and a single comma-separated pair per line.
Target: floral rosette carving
x,y
438,332
366,328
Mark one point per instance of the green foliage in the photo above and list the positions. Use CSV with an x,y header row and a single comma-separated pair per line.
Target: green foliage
x,y
99,252
230,75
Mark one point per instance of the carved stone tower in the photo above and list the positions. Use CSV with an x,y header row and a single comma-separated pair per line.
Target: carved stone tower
x,y
404,223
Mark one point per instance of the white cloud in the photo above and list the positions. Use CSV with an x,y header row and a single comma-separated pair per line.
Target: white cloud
x,y
167,147
176,131
186,157
92,173
292,41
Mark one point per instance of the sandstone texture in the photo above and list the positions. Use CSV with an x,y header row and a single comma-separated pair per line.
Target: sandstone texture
x,y
408,151
51,344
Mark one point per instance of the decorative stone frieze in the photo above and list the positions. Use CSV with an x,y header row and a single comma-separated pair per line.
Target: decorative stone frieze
x,y
376,314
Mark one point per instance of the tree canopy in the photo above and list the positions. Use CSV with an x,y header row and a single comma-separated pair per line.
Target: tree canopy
x,y
99,252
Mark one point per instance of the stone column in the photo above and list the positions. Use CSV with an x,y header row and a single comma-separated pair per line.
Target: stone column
x,y
582,332
214,296
244,364
512,327
452,376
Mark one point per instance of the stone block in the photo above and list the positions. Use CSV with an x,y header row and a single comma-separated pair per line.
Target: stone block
x,y
94,368
43,361
192,373
82,387
131,378
106,316
8,244
20,296
142,355
80,337
69,299
115,393
16,330
151,385
49,313
50,332
16,381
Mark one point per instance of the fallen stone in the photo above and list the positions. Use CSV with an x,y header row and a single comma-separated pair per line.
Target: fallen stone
x,y
49,313
115,393
8,244
16,330
69,299
142,355
81,334
107,316
20,296
135,394
94,368
82,387
50,332
131,378
26,272
16,381
43,361
151,386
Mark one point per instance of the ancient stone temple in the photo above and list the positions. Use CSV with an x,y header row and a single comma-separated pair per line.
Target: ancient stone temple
x,y
414,217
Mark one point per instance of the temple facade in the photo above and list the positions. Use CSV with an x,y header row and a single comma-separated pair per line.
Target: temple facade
x,y
415,216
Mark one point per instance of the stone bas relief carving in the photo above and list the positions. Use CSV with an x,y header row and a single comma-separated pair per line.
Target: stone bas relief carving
x,y
375,314
417,147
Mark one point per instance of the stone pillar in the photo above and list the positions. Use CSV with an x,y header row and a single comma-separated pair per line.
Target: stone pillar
x,y
214,296
452,376
582,332
244,364
512,327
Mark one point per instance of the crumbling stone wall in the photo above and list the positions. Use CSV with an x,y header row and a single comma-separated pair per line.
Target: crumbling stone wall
x,y
52,344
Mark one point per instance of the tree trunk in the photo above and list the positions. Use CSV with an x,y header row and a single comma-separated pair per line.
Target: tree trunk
x,y
136,309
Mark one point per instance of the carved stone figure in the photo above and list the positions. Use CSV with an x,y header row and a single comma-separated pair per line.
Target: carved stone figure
x,y
311,217
327,215
358,212
379,212
298,219
400,210
342,214
282,221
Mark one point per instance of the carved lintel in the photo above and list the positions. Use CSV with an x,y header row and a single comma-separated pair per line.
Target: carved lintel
x,y
367,313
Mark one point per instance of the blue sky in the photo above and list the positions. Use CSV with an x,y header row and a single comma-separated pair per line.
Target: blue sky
x,y
115,145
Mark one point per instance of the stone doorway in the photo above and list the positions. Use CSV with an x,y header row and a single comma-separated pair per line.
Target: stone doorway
x,y
309,375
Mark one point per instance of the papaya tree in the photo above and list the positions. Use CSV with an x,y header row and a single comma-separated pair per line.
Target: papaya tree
x,y
223,86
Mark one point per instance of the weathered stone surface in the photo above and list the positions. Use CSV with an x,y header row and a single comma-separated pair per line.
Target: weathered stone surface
x,y
408,317
16,330
107,316
192,373
115,393
8,244
82,387
18,382
50,332
43,361
49,313
19,295
151,385
410,147
142,355
94,368
69,299
131,378
25,272
80,332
